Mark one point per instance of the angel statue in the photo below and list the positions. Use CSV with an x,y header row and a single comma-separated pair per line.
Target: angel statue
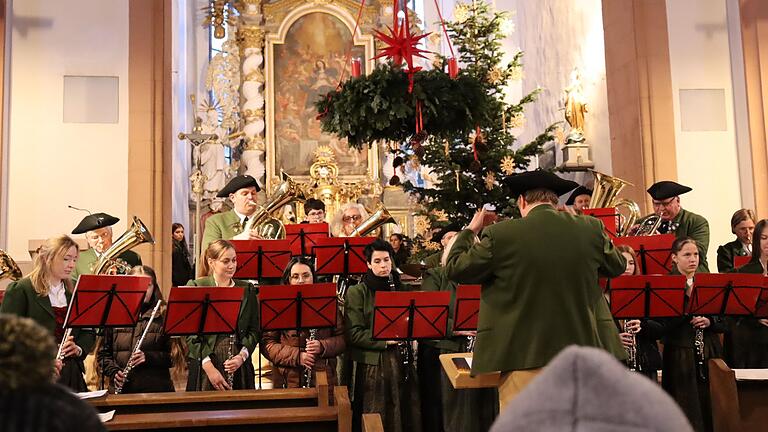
x,y
575,107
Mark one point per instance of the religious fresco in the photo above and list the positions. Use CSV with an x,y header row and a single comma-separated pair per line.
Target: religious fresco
x,y
307,66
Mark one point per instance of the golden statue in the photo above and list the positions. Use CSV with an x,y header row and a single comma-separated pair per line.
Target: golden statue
x,y
575,107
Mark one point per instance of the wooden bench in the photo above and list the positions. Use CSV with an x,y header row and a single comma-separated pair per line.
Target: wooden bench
x,y
738,404
372,423
336,417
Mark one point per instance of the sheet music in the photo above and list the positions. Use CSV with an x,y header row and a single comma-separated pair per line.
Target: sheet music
x,y
107,416
751,374
92,394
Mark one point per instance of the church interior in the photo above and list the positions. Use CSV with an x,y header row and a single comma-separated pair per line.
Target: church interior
x,y
407,120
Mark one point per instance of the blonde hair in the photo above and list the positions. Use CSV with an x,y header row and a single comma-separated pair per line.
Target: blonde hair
x,y
337,225
53,248
214,251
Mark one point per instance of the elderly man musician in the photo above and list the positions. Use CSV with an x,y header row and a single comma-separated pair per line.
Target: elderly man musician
x,y
97,228
242,192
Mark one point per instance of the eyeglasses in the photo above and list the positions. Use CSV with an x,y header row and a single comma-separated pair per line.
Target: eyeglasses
x,y
351,218
664,203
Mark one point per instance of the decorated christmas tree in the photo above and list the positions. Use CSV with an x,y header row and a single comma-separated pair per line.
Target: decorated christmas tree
x,y
470,168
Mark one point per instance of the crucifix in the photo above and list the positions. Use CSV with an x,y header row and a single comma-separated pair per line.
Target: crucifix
x,y
198,178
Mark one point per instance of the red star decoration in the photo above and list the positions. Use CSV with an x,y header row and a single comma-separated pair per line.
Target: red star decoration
x,y
402,45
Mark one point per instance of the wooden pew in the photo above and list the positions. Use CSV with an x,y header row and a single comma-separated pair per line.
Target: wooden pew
x,y
336,417
737,405
372,423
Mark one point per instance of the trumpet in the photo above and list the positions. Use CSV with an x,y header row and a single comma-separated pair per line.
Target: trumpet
x,y
129,366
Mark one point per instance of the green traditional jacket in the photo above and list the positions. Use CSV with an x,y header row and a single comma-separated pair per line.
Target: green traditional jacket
x,y
22,300
752,267
540,286
87,259
358,319
433,260
607,330
248,329
688,224
221,226
725,254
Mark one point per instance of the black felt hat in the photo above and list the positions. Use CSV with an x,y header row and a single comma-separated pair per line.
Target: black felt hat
x,y
237,183
581,190
667,189
453,226
523,182
94,222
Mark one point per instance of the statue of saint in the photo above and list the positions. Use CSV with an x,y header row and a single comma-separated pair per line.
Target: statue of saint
x,y
213,164
575,105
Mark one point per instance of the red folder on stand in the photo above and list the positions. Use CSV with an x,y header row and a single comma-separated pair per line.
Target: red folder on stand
x,y
653,252
608,216
101,301
258,259
740,261
725,294
407,315
655,296
467,308
341,255
303,237
296,307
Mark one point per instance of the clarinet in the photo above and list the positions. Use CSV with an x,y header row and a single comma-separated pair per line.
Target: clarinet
x,y
129,366
308,371
231,375
632,350
67,333
698,342
403,347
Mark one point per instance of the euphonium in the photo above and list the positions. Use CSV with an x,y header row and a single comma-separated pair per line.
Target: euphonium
x,y
269,227
134,236
8,267
379,217
649,225
604,194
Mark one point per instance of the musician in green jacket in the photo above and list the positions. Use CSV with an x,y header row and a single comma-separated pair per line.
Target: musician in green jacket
x,y
221,354
44,295
742,225
97,228
242,191
678,221
540,281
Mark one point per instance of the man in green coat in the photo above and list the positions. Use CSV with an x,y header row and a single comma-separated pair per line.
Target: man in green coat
x,y
676,220
540,281
97,228
229,225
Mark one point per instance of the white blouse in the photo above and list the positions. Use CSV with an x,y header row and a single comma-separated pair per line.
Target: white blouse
x,y
57,295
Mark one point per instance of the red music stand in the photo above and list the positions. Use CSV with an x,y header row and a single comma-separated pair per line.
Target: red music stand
x,y
198,311
652,251
258,259
725,294
740,261
467,308
303,237
608,216
341,255
761,311
101,301
297,307
654,296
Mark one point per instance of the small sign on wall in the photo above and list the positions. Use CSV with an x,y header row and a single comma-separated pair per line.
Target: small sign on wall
x,y
91,99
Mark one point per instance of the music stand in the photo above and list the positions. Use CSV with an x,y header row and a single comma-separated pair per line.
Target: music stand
x,y
761,311
258,259
606,215
642,297
467,308
725,294
303,237
102,301
198,311
298,307
740,261
410,315
341,255
652,251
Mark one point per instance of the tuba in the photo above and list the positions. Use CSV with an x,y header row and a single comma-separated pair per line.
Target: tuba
x,y
648,225
136,234
379,217
267,226
8,267
605,191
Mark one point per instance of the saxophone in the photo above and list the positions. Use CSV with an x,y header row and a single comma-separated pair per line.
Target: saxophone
x,y
308,371
698,342
231,375
129,367
632,350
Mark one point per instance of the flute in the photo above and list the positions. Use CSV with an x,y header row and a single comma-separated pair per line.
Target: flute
x,y
67,333
129,366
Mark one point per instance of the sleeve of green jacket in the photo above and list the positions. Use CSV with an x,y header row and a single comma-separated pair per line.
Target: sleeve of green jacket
x,y
359,332
211,233
470,262
432,279
699,231
614,263
15,301
607,330
249,336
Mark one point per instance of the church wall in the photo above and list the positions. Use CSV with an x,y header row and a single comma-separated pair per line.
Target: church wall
x,y
705,135
557,36
51,163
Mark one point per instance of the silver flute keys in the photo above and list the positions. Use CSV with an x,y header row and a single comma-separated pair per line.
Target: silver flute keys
x,y
631,350
308,371
698,343
60,353
231,375
137,348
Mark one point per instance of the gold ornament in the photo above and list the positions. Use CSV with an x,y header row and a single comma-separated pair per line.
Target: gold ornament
x,y
516,73
431,246
490,180
422,225
517,120
494,75
508,165
440,215
461,13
